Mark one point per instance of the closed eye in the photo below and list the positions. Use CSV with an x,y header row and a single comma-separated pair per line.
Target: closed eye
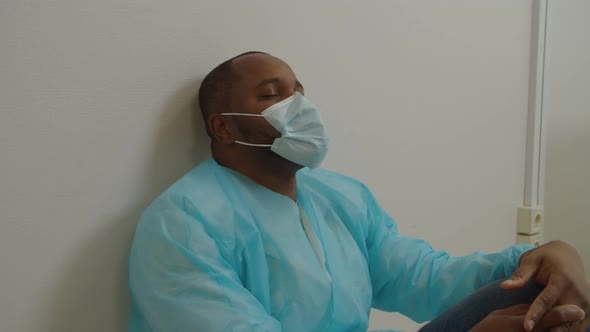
x,y
269,96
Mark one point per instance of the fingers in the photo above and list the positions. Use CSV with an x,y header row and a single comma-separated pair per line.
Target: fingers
x,y
522,275
517,310
560,328
567,328
558,317
544,302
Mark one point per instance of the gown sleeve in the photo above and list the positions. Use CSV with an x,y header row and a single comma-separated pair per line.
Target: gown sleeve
x,y
410,277
180,279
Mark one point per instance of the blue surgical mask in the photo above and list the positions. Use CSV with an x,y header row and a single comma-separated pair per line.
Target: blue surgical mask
x,y
304,139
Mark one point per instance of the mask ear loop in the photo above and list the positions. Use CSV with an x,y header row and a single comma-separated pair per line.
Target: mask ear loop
x,y
243,114
255,145
244,143
264,113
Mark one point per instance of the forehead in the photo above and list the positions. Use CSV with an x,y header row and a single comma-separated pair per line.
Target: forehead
x,y
253,68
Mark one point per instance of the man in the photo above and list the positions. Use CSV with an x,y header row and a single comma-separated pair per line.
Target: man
x,y
258,238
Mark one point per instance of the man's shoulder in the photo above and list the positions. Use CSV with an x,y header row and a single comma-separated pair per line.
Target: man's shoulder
x,y
339,183
197,197
197,183
329,177
198,188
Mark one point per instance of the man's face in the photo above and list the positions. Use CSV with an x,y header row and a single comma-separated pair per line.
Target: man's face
x,y
262,80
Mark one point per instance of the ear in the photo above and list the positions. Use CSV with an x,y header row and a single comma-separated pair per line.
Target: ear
x,y
219,129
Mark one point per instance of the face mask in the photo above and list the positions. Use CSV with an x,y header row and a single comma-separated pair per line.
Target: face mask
x,y
304,139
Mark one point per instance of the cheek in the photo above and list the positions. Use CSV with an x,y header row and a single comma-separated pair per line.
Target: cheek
x,y
270,130
258,130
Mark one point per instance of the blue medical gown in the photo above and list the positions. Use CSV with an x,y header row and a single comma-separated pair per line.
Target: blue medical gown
x,y
218,252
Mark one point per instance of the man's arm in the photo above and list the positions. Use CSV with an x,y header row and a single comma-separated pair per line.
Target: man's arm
x,y
410,277
180,281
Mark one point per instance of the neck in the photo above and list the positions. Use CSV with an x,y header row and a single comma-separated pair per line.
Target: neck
x,y
274,173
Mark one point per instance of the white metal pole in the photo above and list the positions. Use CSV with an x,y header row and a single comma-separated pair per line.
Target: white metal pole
x,y
535,147
530,215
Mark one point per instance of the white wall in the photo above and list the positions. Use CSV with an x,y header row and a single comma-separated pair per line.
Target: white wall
x,y
567,104
425,102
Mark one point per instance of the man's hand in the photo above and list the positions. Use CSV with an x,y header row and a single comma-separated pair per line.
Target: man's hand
x,y
558,319
557,266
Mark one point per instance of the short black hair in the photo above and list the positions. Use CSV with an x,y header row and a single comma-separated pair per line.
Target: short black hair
x,y
216,88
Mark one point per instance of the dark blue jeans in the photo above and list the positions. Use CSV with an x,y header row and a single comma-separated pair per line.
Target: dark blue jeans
x,y
473,309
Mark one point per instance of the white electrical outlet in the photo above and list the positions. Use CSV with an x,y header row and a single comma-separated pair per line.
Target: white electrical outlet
x,y
535,240
529,220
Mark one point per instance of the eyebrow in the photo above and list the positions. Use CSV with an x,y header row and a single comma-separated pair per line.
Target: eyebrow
x,y
276,80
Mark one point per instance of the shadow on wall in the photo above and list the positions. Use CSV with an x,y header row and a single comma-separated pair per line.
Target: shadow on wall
x,y
93,293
